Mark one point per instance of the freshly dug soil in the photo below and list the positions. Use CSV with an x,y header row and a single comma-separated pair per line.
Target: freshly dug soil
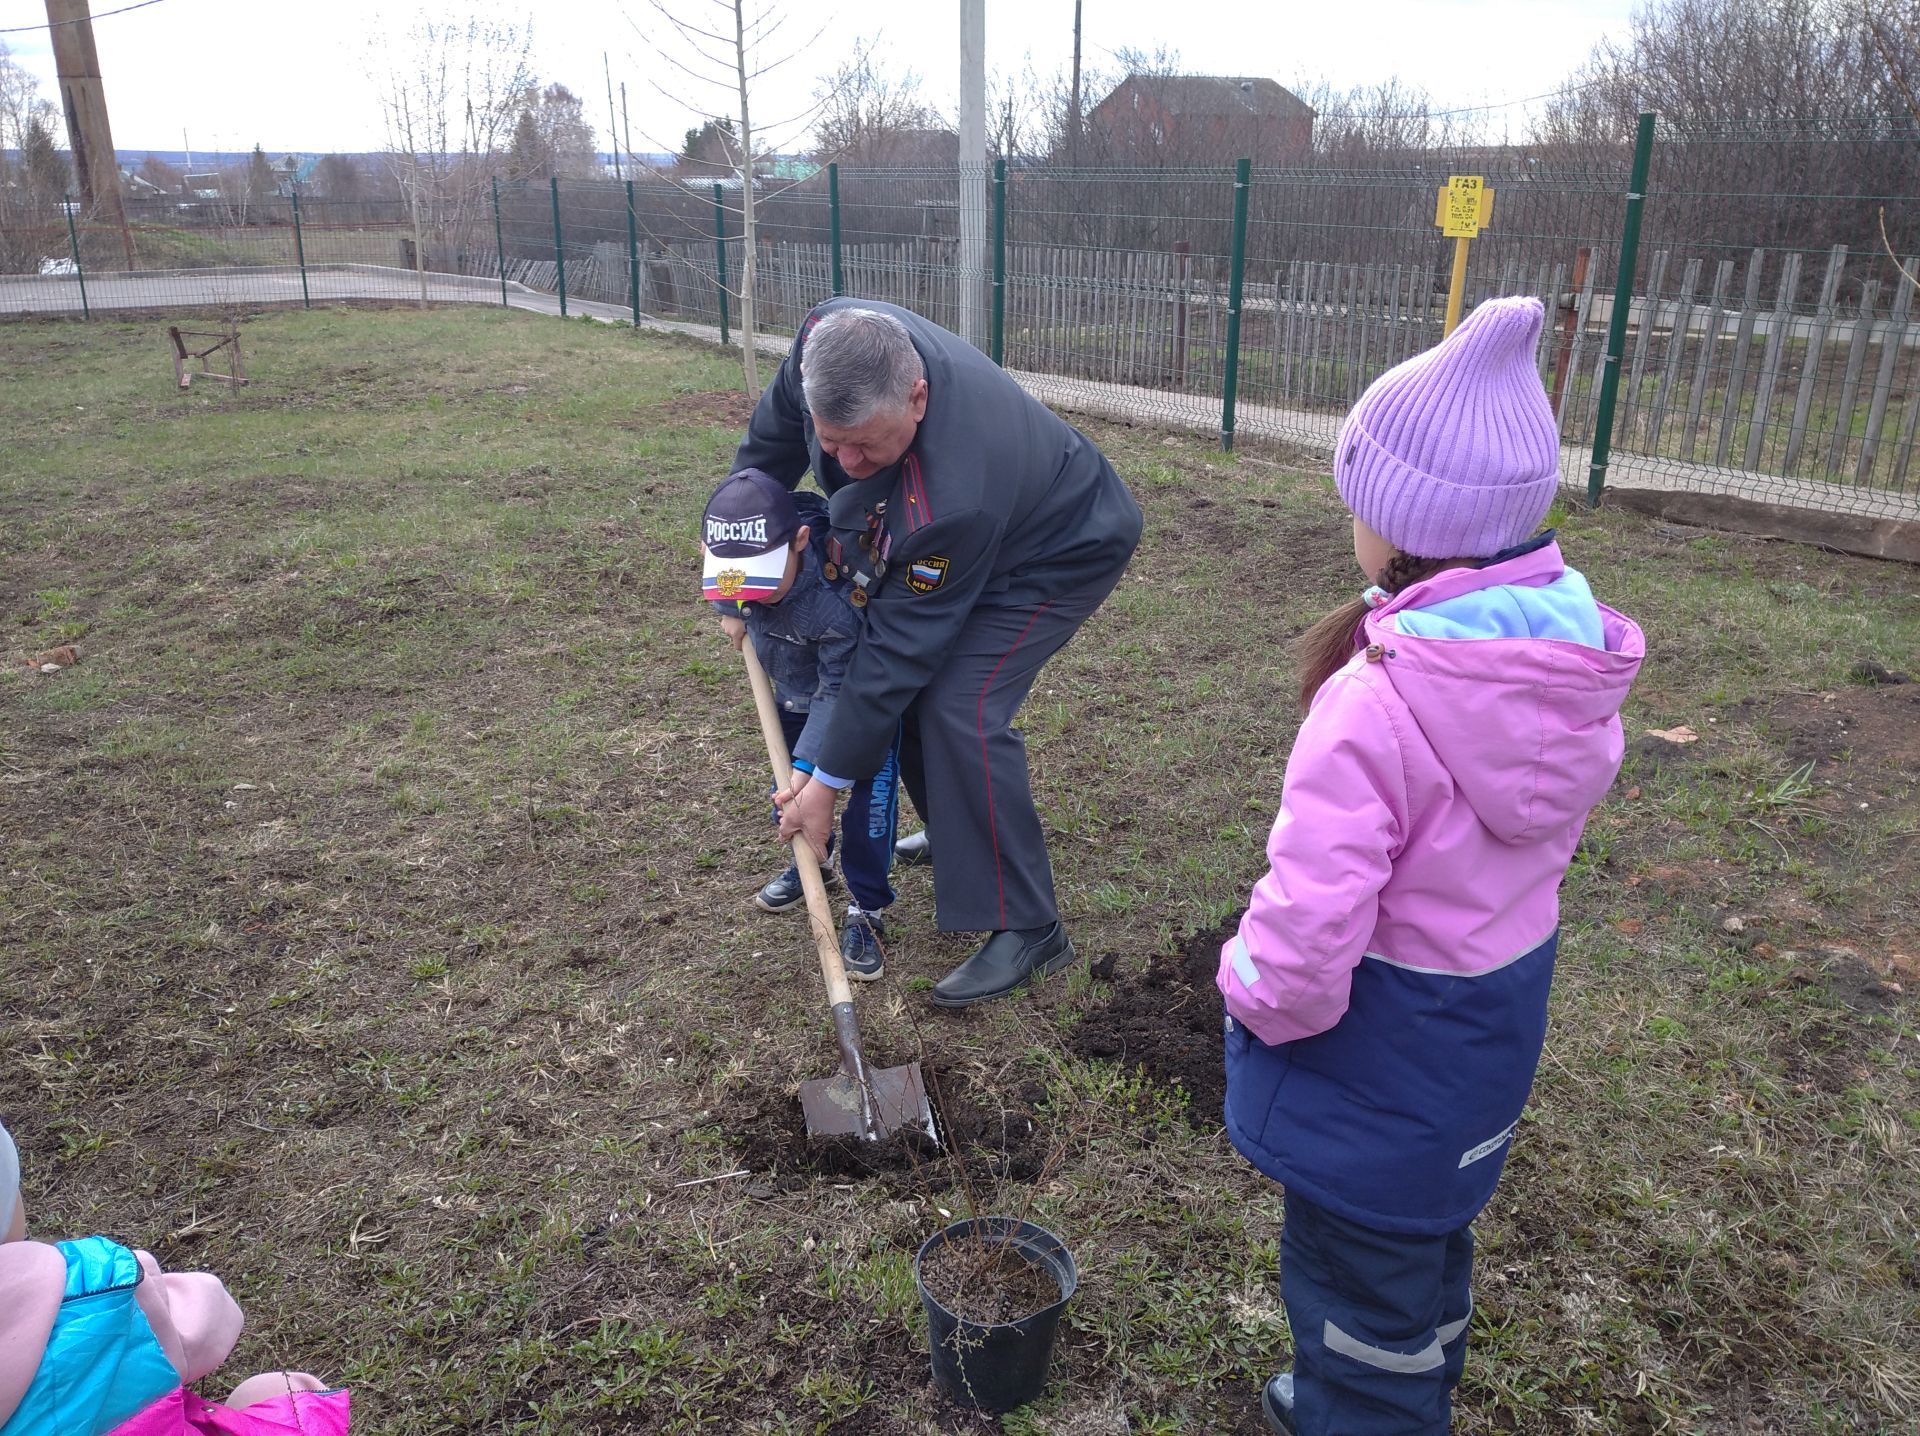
x,y
998,1140
986,1282
1167,1022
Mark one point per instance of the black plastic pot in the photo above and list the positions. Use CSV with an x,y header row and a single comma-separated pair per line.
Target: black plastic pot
x,y
1003,1365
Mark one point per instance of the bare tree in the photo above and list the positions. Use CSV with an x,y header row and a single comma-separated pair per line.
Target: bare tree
x,y
1388,118
729,45
1759,101
551,137
36,176
1894,33
711,149
1722,63
338,178
1015,111
450,92
869,114
20,103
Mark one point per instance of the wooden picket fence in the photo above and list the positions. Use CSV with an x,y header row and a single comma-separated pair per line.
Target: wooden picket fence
x,y
1732,362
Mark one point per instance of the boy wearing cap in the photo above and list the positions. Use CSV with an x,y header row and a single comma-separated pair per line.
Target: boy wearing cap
x,y
772,584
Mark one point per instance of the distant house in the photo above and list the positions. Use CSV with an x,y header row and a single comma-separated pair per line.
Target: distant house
x,y
291,172
1200,119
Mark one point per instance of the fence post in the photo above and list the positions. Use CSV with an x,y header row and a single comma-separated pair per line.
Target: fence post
x,y
499,243
999,340
1236,276
559,254
1622,303
633,257
80,271
833,227
720,258
300,248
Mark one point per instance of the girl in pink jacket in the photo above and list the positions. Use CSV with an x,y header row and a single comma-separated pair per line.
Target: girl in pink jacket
x,y
1386,991
96,1340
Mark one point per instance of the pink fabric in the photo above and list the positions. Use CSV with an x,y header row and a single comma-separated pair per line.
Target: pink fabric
x,y
195,1318
182,1413
33,1276
1432,803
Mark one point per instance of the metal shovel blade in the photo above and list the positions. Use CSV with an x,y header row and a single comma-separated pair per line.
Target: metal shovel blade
x,y
892,1099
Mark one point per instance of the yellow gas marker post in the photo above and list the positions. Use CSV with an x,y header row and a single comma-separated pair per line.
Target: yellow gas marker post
x,y
1466,207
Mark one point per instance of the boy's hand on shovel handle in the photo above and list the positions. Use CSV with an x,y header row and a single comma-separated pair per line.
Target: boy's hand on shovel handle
x,y
806,811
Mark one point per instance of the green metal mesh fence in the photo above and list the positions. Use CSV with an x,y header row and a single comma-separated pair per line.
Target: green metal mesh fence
x,y
1773,350
1770,347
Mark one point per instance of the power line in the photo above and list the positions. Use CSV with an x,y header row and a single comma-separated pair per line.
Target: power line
x,y
22,29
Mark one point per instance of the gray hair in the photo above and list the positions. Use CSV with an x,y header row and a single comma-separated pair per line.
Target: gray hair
x,y
858,364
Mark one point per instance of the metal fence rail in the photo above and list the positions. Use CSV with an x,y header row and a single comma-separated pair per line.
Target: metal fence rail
x,y
1767,347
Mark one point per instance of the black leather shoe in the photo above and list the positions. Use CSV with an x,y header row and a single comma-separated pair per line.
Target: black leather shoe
x,y
1005,963
913,851
1276,1404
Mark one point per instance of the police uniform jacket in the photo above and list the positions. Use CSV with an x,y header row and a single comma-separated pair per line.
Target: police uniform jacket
x,y
998,501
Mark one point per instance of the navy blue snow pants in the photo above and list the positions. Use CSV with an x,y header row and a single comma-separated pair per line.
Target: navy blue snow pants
x,y
867,825
1379,1323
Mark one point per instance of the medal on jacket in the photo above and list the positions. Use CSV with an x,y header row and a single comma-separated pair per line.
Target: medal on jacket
x,y
874,545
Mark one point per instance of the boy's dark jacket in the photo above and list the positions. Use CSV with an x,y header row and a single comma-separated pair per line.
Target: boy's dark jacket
x,y
806,640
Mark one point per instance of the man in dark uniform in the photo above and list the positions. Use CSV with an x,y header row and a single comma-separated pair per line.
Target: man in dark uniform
x,y
980,531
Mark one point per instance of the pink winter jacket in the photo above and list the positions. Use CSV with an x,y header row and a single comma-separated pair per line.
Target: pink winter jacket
x,y
1433,800
1387,989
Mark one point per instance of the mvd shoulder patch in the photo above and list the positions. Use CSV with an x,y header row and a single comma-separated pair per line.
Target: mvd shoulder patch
x,y
924,575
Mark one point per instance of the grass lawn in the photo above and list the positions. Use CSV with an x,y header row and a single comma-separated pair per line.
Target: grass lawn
x,y
377,935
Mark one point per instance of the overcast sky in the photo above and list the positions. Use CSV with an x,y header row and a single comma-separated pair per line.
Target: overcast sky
x,y
294,75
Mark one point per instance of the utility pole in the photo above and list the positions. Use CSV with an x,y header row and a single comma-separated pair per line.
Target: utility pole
x,y
613,139
84,98
973,171
1073,97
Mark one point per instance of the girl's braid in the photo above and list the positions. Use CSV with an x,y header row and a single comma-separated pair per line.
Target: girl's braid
x,y
1326,647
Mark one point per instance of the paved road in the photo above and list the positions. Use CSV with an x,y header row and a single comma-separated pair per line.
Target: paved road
x,y
1194,413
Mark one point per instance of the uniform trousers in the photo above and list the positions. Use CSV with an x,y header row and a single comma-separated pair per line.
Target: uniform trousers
x,y
965,765
1379,1322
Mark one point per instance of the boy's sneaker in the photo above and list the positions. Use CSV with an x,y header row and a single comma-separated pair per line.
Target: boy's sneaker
x,y
785,892
860,951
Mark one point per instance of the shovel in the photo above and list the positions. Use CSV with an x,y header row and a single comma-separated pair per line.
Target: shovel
x,y
860,1101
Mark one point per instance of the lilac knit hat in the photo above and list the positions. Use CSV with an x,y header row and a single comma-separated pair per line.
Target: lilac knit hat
x,y
1455,453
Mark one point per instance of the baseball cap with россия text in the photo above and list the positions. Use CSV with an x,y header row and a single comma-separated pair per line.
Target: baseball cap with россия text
x,y
744,534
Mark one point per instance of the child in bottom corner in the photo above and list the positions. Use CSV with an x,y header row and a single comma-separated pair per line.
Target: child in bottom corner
x,y
772,585
1386,991
96,1338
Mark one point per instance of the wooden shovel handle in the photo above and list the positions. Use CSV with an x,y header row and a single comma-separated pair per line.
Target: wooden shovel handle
x,y
825,935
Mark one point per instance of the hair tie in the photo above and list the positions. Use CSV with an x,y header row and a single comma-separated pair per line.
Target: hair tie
x,y
1376,597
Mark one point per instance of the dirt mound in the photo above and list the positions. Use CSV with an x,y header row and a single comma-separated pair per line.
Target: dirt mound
x,y
1877,727
1167,1022
1000,1138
